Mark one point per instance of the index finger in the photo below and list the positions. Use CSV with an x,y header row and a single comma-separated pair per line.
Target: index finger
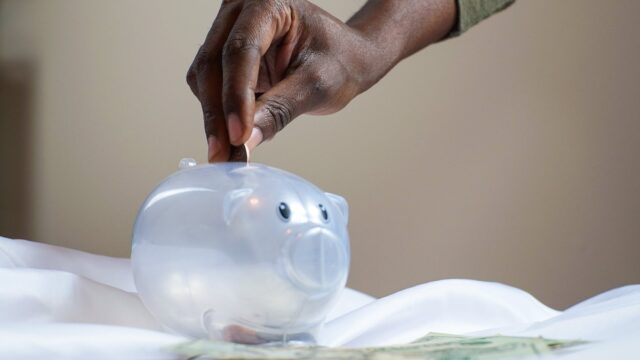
x,y
205,77
253,33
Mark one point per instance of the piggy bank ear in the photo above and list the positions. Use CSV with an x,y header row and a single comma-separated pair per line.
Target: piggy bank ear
x,y
341,204
231,202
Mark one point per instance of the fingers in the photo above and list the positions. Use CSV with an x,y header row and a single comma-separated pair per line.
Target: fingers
x,y
225,72
214,124
300,92
205,80
255,139
257,27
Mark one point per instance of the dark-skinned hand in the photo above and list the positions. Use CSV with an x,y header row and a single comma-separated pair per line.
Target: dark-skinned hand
x,y
265,62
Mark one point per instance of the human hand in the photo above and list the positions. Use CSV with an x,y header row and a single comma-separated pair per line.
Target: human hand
x,y
265,62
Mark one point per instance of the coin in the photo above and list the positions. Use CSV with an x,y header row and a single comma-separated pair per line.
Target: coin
x,y
239,153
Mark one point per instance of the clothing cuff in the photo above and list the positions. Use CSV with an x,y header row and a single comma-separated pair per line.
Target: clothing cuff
x,y
471,12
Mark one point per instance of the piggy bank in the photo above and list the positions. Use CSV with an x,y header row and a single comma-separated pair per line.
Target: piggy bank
x,y
240,252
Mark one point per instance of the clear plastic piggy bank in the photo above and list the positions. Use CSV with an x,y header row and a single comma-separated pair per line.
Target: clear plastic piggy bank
x,y
241,252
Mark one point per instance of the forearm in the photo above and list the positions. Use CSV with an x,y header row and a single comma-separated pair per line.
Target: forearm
x,y
400,28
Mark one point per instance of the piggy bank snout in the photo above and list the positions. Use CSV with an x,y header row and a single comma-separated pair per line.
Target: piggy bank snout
x,y
316,259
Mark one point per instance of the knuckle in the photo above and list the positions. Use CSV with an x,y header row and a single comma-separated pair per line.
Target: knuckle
x,y
280,110
320,85
280,5
274,5
191,77
275,12
238,43
262,3
202,62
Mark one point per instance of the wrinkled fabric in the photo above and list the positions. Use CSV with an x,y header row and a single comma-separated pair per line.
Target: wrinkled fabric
x,y
60,303
471,12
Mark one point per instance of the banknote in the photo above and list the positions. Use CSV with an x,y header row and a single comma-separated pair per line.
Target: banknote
x,y
432,346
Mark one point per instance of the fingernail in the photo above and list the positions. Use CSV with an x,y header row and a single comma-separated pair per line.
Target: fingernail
x,y
235,129
214,146
255,139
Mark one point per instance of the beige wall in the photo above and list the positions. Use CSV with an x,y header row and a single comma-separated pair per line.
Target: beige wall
x,y
510,154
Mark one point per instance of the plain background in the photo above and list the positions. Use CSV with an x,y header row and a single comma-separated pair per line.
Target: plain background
x,y
509,154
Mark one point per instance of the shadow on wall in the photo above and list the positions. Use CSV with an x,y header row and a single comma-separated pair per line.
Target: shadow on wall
x,y
16,120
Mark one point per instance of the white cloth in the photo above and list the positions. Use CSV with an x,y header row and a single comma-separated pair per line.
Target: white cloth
x,y
62,303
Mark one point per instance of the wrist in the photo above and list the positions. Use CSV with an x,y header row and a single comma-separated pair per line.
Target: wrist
x,y
393,30
373,58
383,48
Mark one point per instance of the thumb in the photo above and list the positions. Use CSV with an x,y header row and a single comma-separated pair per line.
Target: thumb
x,y
295,95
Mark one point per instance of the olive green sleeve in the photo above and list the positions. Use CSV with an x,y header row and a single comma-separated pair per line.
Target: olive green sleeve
x,y
471,12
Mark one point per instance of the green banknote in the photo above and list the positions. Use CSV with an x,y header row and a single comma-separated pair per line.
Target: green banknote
x,y
432,346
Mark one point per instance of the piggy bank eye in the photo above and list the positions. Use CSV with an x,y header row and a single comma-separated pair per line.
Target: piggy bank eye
x,y
284,211
325,214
